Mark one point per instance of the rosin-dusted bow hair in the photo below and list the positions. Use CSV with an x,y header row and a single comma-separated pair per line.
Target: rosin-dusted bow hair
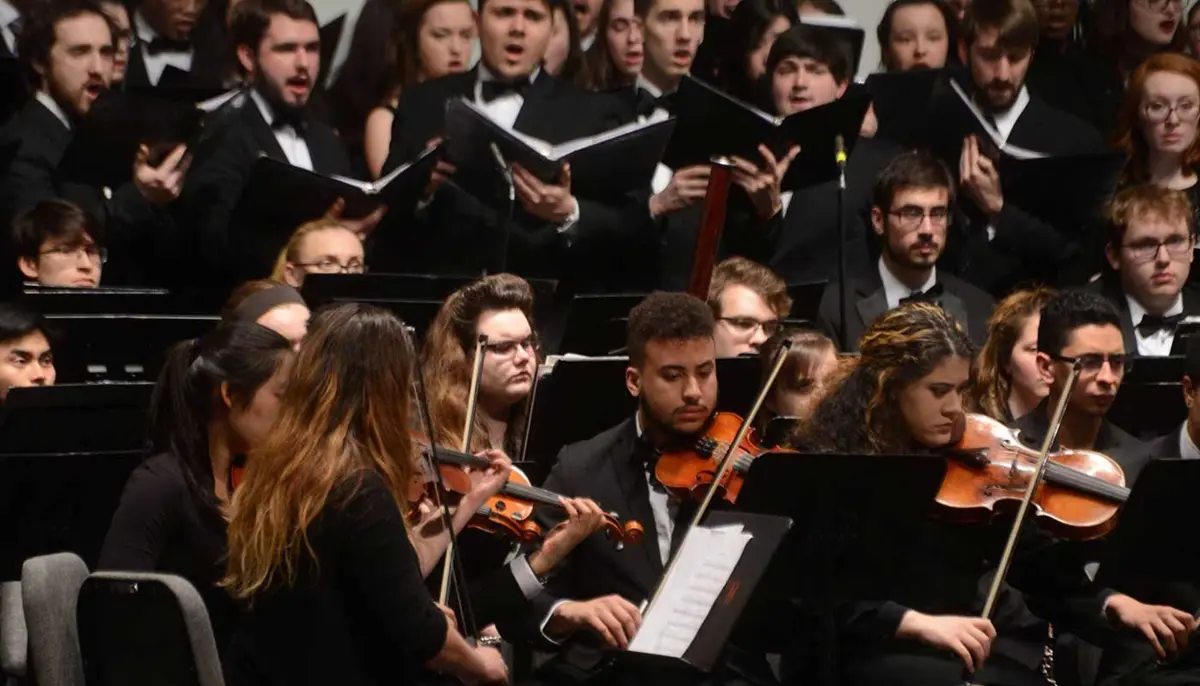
x,y
861,413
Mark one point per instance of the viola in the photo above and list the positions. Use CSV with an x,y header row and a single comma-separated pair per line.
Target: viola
x,y
510,512
690,472
989,469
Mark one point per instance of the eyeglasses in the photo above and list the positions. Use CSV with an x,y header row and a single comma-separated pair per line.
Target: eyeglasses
x,y
1147,250
910,217
1093,363
92,252
328,266
1158,112
509,348
1161,5
748,325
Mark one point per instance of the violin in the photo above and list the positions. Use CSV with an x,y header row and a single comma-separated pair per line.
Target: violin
x,y
989,468
689,472
510,512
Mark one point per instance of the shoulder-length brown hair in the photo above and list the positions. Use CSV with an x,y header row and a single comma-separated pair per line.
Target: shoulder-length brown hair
x,y
599,72
449,351
993,383
1129,136
405,47
344,411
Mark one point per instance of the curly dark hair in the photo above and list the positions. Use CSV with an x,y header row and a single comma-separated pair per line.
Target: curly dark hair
x,y
667,317
860,413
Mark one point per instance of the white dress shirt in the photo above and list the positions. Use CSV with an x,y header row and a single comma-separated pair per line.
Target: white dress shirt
x,y
1005,123
8,14
157,63
1187,447
662,173
295,148
1156,343
894,290
55,109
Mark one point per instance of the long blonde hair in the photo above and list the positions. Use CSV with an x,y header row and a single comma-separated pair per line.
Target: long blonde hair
x,y
449,351
344,411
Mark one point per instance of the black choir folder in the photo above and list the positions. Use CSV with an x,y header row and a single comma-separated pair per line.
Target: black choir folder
x,y
711,123
283,196
604,166
105,144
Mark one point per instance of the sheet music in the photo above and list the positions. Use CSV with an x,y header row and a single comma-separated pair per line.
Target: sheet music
x,y
706,560
1005,147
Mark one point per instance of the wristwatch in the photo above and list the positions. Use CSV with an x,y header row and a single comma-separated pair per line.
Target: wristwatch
x,y
489,641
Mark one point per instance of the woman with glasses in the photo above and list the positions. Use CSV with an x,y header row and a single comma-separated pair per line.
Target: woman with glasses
x,y
1158,123
1124,33
323,246
58,244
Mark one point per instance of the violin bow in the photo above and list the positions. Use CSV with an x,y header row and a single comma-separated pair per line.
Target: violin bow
x,y
468,430
726,463
1043,457
440,494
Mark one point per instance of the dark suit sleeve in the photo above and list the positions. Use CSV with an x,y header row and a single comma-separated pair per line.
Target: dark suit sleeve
x,y
210,194
828,315
496,598
29,180
1051,574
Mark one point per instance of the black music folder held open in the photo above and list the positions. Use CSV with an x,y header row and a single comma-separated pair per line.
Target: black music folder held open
x,y
105,144
603,166
712,123
901,101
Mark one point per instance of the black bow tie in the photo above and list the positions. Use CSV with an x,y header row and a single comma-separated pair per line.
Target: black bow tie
x,y
490,90
288,117
161,45
930,296
1151,323
647,103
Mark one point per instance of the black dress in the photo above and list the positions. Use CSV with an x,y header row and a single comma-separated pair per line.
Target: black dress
x,y
161,525
359,615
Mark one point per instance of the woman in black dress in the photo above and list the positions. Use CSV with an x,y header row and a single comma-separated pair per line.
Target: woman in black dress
x,y
215,400
319,543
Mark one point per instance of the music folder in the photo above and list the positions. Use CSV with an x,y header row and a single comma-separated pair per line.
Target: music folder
x,y
716,570
711,123
105,143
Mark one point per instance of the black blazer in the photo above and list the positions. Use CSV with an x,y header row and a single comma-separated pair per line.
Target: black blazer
x,y
1168,445
866,302
136,233
231,254
1109,288
1025,247
457,233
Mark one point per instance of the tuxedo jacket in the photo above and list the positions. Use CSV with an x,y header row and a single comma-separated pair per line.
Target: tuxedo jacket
x,y
212,60
1168,445
230,253
1109,288
1025,248
457,233
866,302
134,230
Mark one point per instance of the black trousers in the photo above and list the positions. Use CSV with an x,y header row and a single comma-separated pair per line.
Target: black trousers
x,y
934,669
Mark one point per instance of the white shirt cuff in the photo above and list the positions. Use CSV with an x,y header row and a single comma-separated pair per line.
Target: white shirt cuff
x,y
546,620
572,220
991,231
526,579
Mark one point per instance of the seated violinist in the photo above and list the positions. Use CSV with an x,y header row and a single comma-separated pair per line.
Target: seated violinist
x,y
748,300
595,594
906,395
811,362
500,307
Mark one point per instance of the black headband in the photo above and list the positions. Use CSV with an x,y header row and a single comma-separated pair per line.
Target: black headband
x,y
263,302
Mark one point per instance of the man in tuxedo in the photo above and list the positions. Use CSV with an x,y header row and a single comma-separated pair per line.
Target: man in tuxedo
x,y
67,49
748,301
911,211
809,67
532,228
171,46
1003,244
278,50
1184,441
1150,251
596,590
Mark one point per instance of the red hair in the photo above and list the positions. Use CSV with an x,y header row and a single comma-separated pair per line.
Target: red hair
x,y
1128,133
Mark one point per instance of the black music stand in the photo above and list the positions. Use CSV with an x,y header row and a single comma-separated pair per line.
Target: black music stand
x,y
806,300
853,526
104,300
119,347
580,398
709,644
65,455
595,324
1150,401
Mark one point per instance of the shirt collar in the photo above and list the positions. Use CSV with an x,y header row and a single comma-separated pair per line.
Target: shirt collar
x,y
486,74
1187,447
8,13
894,290
1007,120
637,422
649,87
142,29
264,108
1136,311
55,108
